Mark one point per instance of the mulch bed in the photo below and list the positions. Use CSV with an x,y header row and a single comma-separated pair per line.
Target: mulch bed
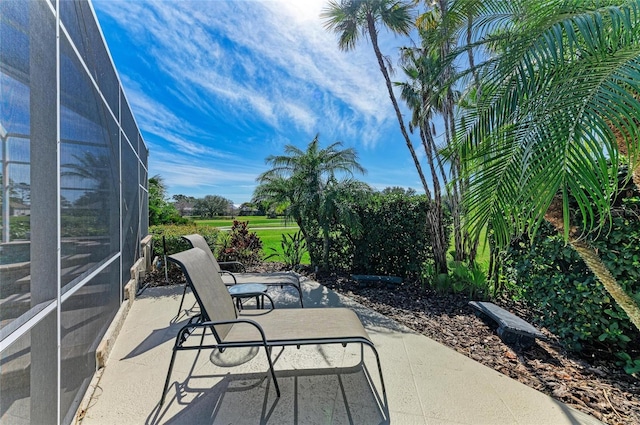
x,y
591,382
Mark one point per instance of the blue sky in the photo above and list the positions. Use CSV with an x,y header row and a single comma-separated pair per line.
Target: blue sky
x,y
217,86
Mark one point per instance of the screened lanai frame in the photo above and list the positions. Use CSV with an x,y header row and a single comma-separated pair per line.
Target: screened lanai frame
x,y
68,132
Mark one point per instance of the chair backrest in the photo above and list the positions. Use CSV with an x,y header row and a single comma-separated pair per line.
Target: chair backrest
x,y
208,288
197,241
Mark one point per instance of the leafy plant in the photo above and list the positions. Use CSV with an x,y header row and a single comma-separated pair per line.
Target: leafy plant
x,y
307,181
293,247
20,227
630,365
160,210
241,245
427,275
572,303
395,237
464,279
442,283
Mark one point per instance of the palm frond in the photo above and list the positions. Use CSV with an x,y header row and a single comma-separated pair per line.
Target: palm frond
x,y
551,109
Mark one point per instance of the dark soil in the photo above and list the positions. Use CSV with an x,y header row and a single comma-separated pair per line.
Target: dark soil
x,y
591,382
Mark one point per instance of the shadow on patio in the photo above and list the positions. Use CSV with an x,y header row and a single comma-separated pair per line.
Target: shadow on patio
x,y
426,382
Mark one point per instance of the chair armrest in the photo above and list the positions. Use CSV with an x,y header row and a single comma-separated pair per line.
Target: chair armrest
x,y
235,281
187,329
233,263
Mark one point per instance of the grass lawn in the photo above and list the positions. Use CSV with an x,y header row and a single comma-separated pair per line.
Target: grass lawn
x,y
483,255
254,222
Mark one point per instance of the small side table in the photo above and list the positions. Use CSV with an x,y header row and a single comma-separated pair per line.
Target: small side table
x,y
249,290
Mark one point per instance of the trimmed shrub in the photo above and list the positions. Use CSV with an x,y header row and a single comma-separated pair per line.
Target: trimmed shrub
x,y
173,237
395,239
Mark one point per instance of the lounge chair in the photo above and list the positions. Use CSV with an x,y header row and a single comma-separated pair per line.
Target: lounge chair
x,y
259,328
270,279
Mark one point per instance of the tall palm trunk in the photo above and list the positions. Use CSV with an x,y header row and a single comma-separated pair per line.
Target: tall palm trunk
x,y
595,264
434,227
456,191
325,246
435,213
373,34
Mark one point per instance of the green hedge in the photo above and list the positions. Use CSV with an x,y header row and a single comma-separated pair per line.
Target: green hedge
x,y
173,237
395,240
571,302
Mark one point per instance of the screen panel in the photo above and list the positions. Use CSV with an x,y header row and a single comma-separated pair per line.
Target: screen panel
x,y
89,173
85,317
30,363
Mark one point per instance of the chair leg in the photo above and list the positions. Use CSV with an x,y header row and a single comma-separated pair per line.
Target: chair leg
x,y
182,300
384,389
273,306
299,293
273,372
166,382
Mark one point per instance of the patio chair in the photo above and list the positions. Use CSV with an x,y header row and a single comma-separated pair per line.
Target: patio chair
x,y
270,279
260,328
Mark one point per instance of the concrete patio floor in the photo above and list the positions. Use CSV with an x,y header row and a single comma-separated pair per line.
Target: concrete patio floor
x,y
427,383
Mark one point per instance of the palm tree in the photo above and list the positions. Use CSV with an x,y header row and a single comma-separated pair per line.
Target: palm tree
x,y
275,191
445,24
420,67
351,19
558,115
302,178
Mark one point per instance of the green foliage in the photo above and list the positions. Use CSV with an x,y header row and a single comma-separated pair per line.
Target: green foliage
x,y
173,237
306,181
293,248
345,225
462,278
395,238
630,365
76,222
240,245
19,227
571,301
556,113
468,279
161,211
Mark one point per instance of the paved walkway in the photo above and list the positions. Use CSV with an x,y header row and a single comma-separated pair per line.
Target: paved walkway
x,y
427,383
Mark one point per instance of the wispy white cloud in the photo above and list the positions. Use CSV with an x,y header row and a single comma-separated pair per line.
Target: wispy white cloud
x,y
281,49
217,85
182,172
158,120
